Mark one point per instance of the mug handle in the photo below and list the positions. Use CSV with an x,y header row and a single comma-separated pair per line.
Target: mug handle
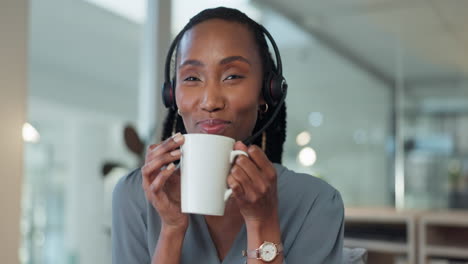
x,y
234,154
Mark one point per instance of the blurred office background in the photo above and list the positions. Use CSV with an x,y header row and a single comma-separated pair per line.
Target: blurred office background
x,y
377,105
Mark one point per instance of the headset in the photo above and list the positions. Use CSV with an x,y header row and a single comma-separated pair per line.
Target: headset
x,y
274,87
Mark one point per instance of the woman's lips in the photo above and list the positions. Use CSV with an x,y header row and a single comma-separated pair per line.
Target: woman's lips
x,y
213,126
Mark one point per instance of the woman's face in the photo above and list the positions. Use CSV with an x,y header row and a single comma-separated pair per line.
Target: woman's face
x,y
219,79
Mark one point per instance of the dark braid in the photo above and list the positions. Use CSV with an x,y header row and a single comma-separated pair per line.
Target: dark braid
x,y
276,132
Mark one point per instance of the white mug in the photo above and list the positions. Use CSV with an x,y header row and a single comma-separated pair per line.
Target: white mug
x,y
204,167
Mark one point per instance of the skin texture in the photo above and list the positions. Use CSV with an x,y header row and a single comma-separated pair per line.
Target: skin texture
x,y
219,76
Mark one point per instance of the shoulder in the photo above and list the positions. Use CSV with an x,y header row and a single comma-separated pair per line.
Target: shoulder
x,y
129,192
301,183
311,217
301,193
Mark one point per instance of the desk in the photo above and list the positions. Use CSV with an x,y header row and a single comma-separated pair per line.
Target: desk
x,y
408,236
388,235
443,234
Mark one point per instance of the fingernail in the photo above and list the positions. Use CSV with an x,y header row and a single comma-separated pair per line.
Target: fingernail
x,y
153,146
170,166
178,137
175,152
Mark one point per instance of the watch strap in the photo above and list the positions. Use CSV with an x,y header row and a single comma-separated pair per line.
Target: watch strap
x,y
253,254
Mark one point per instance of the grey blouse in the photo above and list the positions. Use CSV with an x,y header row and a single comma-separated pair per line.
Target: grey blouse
x,y
311,221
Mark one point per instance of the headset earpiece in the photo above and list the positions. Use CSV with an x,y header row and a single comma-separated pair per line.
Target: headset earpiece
x,y
279,88
274,88
168,94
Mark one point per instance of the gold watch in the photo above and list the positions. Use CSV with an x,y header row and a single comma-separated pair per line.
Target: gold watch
x,y
267,252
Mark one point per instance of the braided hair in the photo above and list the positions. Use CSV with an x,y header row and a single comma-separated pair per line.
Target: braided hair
x,y
276,132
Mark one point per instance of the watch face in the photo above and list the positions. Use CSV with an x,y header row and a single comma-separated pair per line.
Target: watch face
x,y
268,251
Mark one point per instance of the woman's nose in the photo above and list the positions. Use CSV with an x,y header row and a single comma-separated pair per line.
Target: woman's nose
x,y
212,100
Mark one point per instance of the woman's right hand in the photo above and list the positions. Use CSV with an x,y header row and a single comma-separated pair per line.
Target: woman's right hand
x,y
161,182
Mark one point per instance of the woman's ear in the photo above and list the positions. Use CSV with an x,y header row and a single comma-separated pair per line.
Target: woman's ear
x,y
261,100
262,106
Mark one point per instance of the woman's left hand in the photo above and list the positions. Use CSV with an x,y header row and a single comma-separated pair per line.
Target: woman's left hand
x,y
253,182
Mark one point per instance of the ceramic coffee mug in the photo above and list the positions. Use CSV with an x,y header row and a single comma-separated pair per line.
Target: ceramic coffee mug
x,y
204,166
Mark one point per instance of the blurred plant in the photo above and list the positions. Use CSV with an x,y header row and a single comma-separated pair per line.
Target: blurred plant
x,y
134,143
454,174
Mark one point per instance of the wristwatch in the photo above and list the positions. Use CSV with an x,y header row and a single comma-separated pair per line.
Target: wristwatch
x,y
267,252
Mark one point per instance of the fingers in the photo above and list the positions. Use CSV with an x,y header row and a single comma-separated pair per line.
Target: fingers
x,y
160,180
252,177
239,145
236,187
258,157
151,168
253,185
239,182
159,155
166,146
153,146
158,184
253,173
262,162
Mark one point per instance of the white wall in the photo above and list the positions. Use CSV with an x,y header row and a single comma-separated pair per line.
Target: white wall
x,y
13,37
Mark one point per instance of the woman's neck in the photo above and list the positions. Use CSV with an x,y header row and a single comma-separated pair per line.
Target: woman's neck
x,y
231,215
224,229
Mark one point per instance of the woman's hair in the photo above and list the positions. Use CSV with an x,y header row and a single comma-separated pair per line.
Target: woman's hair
x,y
276,132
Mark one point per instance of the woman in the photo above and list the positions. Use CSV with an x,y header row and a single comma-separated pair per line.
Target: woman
x,y
222,60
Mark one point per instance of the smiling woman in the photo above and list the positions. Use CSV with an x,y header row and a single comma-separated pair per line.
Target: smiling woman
x,y
224,83
221,93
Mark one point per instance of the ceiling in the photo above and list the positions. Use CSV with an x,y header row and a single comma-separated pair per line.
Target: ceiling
x,y
425,40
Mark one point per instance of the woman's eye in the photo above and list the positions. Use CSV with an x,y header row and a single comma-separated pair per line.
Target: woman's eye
x,y
191,79
234,76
